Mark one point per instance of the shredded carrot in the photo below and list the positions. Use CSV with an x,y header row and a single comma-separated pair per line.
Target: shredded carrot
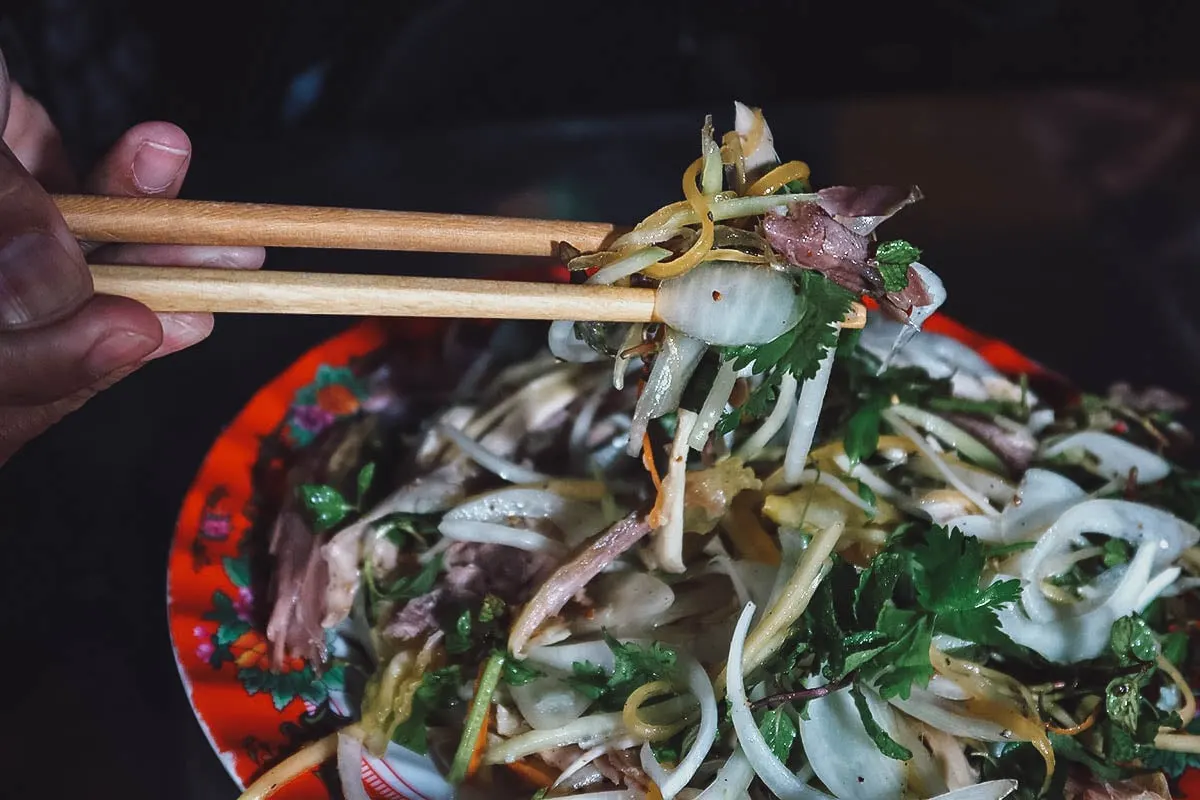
x,y
660,495
481,739
1074,730
532,773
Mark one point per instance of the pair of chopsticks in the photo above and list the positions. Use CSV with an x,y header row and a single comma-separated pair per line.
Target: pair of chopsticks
x,y
193,222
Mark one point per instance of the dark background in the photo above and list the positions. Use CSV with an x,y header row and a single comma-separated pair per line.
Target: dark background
x,y
1057,143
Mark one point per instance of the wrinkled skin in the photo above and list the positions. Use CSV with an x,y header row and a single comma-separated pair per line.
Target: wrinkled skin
x,y
60,343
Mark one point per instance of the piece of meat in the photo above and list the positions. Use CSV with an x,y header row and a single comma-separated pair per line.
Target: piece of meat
x,y
416,618
475,570
294,628
625,765
1016,447
863,208
1082,786
809,237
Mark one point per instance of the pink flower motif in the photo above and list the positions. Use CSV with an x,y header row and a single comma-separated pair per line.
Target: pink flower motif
x,y
244,603
313,419
216,527
200,632
204,650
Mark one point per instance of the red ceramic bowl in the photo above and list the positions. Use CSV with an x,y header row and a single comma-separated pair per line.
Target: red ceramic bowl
x,y
252,716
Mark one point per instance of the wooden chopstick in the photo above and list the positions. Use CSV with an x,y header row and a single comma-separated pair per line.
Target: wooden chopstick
x,y
160,221
255,292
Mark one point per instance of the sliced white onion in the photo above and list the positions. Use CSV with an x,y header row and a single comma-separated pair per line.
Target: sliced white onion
x,y
951,435
763,153
672,782
782,782
577,519
548,703
611,794
349,764
949,716
1042,497
714,405
990,790
565,343
727,303
1115,457
563,656
841,752
752,448
584,732
840,489
465,530
937,295
668,539
624,267
588,756
625,599
908,432
674,365
808,413
496,464
732,780
621,364
1068,638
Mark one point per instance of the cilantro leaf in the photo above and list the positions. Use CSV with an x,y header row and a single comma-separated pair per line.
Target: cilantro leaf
x,y
519,673
893,259
1117,551
588,679
633,665
886,744
324,506
798,352
636,664
949,566
779,732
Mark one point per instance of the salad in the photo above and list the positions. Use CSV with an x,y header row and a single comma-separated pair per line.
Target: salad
x,y
774,546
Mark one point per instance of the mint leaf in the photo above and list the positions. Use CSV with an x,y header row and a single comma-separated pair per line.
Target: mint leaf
x,y
1132,641
893,259
876,585
366,476
458,641
438,690
886,744
323,505
1175,647
779,732
1122,697
410,586
907,659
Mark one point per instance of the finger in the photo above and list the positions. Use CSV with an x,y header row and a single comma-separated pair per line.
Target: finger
x,y
49,363
177,255
149,159
43,277
19,425
35,141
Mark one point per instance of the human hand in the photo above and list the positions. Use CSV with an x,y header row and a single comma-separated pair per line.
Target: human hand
x,y
59,343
